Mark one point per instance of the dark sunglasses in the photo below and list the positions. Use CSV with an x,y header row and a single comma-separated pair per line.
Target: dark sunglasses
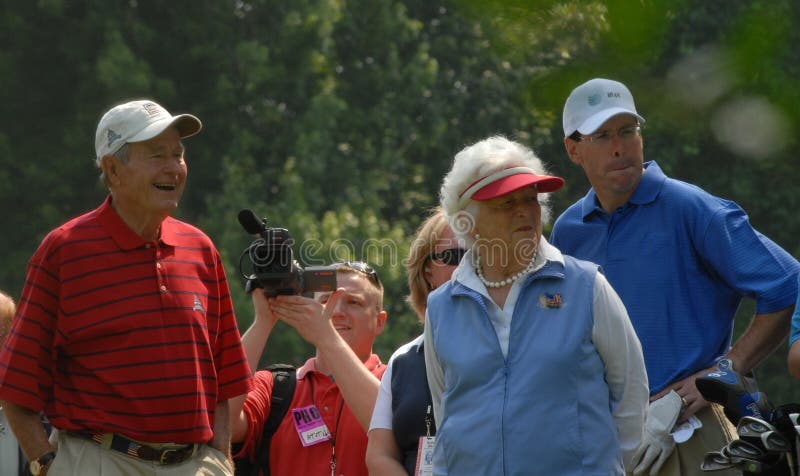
x,y
361,267
450,256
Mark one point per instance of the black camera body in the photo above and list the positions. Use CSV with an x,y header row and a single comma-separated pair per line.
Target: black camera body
x,y
273,266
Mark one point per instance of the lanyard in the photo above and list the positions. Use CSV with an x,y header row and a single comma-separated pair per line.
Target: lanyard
x,y
335,429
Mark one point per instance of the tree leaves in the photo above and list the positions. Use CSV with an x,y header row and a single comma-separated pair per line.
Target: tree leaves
x,y
337,119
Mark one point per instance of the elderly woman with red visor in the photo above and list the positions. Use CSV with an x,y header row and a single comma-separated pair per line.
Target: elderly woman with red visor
x,y
532,362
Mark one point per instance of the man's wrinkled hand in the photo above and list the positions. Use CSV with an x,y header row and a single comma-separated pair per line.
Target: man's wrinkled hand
x,y
657,442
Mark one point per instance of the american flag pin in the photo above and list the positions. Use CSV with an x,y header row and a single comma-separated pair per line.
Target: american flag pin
x,y
550,301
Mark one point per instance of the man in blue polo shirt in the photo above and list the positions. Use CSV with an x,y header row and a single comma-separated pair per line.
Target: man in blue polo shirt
x,y
681,260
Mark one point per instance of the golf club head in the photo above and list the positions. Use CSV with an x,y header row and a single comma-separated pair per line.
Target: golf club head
x,y
715,461
774,442
750,425
725,387
744,449
793,418
754,439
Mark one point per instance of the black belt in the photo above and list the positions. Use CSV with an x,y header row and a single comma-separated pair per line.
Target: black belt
x,y
163,456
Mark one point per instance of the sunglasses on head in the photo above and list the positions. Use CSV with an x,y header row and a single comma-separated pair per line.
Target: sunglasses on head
x,y
450,256
361,267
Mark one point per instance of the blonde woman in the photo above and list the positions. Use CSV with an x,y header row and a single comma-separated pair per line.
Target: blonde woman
x,y
403,411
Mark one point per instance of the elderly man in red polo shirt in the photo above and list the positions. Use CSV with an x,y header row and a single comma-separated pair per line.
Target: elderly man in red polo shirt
x,y
125,335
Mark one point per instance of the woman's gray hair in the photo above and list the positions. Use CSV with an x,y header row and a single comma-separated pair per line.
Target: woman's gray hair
x,y
475,162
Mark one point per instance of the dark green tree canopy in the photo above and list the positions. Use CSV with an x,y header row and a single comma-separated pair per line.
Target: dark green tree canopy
x,y
337,119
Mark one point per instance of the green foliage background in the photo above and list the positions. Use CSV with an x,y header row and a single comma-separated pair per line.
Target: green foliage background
x,y
338,118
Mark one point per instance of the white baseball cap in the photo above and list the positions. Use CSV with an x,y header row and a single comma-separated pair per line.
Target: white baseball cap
x,y
593,103
138,121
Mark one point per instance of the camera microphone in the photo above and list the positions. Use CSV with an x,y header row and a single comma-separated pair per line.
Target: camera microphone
x,y
250,222
269,264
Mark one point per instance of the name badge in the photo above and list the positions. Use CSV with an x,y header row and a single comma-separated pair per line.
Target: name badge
x,y
310,426
425,456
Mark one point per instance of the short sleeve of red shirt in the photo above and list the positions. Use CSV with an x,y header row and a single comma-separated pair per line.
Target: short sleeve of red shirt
x,y
256,408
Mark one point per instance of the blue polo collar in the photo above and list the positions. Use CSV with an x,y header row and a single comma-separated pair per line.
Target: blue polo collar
x,y
646,192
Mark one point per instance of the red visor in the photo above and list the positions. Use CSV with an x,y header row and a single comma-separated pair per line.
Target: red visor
x,y
506,185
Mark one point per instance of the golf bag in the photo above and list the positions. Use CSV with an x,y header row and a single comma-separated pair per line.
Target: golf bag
x,y
769,437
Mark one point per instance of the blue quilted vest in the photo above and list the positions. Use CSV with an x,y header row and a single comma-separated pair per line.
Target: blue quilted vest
x,y
542,410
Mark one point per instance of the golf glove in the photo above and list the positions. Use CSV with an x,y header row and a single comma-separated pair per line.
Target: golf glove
x,y
657,442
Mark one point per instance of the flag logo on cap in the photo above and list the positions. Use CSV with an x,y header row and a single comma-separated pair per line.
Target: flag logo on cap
x,y
594,99
152,108
112,137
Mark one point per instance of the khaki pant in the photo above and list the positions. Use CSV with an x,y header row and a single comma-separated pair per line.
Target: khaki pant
x,y
716,432
80,457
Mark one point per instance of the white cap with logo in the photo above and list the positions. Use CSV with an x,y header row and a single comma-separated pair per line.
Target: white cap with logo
x,y
593,103
138,121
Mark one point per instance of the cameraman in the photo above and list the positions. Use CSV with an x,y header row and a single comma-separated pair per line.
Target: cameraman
x,y
341,382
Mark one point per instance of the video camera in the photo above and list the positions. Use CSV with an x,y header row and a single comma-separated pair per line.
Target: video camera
x,y
272,262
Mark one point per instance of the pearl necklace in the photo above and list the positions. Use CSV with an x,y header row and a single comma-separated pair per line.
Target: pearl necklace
x,y
507,281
